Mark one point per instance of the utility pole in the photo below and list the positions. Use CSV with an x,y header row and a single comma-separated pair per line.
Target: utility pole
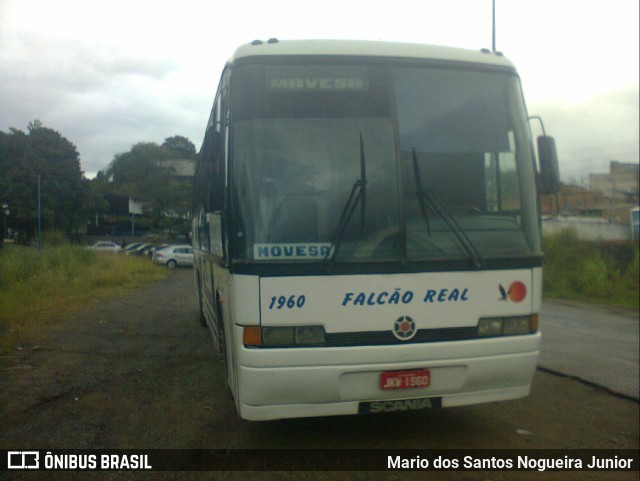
x,y
5,214
39,216
493,25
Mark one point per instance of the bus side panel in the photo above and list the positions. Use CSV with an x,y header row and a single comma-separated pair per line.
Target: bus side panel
x,y
223,291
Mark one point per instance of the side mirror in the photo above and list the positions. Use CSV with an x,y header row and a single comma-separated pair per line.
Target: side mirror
x,y
549,169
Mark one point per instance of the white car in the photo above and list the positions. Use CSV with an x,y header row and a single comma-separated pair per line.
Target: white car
x,y
174,256
106,246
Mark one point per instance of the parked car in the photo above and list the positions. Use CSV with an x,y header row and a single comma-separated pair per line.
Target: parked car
x,y
156,248
130,247
137,250
106,246
147,250
174,256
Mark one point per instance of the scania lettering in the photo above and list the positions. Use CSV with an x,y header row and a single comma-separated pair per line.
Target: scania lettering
x,y
407,405
366,230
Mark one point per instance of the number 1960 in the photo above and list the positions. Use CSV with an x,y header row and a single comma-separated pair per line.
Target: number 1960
x,y
280,302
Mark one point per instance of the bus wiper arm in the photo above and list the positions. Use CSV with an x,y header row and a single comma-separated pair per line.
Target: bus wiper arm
x,y
358,193
429,197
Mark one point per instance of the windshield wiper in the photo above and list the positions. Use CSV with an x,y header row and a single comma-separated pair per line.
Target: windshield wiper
x,y
358,194
431,202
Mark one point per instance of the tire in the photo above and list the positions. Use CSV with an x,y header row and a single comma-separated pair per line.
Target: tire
x,y
172,264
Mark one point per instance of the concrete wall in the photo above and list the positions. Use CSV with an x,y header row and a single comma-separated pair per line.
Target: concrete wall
x,y
587,228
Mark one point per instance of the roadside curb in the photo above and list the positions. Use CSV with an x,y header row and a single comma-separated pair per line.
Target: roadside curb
x,y
629,312
626,397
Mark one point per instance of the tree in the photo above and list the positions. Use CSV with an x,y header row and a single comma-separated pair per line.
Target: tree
x,y
46,153
180,147
132,171
146,173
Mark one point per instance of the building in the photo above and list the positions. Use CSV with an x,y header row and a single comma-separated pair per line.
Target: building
x,y
180,168
609,196
619,185
574,200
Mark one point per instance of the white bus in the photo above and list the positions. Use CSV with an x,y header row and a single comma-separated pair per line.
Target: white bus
x,y
366,228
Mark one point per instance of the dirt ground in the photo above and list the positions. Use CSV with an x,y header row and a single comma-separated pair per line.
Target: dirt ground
x,y
139,372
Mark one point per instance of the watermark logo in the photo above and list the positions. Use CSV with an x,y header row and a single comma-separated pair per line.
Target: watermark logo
x,y
23,460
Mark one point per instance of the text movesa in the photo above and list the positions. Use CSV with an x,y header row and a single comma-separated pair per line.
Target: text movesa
x,y
317,83
275,252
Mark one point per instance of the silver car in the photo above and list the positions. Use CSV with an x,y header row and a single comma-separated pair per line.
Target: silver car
x,y
106,246
174,256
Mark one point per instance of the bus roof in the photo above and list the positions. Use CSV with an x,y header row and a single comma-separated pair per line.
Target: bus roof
x,y
366,48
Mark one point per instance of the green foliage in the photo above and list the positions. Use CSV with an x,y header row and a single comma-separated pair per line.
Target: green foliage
x,y
595,279
145,173
41,287
54,238
631,278
180,146
42,152
134,171
69,202
588,271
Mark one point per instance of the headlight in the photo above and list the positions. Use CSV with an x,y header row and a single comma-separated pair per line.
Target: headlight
x,y
507,326
289,336
278,336
306,335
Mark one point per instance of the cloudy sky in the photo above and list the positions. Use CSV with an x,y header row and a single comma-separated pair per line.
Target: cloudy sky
x,y
107,75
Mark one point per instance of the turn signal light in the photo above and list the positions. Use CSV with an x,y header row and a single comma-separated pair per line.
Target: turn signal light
x,y
252,336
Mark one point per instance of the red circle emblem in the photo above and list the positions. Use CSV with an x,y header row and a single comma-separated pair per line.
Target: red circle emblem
x,y
517,291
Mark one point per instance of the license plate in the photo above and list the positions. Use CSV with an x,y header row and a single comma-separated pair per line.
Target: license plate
x,y
418,378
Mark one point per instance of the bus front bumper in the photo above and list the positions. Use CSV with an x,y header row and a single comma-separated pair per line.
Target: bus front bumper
x,y
306,382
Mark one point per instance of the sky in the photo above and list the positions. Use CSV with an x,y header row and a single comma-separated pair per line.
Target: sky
x,y
108,75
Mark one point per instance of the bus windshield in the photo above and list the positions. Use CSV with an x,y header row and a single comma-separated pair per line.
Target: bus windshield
x,y
434,152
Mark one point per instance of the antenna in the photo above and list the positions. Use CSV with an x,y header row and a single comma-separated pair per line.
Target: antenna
x,y
493,22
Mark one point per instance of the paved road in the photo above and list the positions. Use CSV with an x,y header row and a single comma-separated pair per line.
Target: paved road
x,y
598,345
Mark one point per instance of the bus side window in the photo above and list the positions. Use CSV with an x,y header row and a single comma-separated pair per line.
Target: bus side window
x,y
214,165
203,229
502,188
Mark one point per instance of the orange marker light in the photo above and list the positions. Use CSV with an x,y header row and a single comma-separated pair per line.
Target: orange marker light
x,y
534,323
252,336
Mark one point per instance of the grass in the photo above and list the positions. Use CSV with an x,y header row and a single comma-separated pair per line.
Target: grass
x,y
591,272
38,288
